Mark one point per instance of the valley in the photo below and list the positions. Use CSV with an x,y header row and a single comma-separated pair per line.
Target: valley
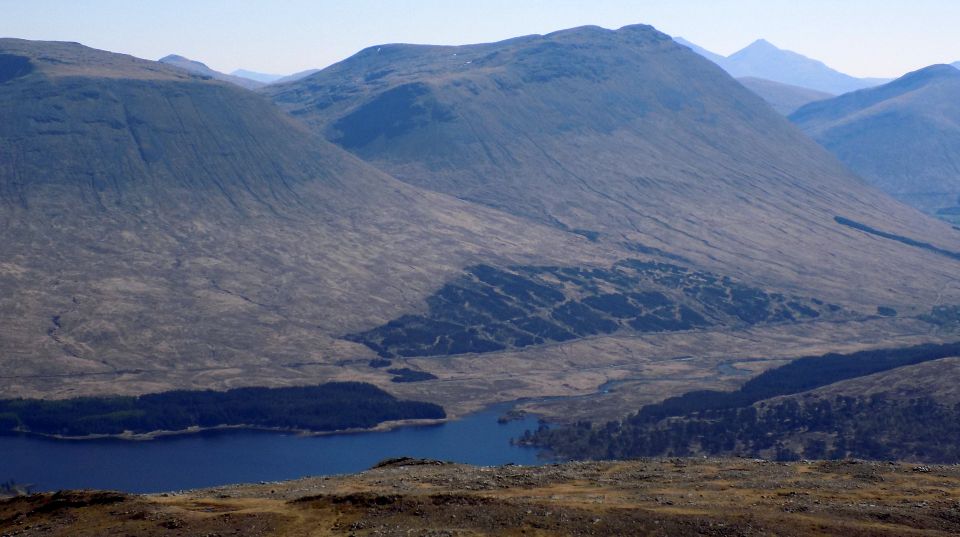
x,y
583,282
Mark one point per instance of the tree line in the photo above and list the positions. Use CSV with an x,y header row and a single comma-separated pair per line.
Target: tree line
x,y
327,407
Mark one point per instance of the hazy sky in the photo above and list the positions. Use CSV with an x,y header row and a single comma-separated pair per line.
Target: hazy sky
x,y
861,37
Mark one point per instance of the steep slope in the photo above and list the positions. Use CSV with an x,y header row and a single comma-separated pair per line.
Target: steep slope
x,y
903,137
762,59
165,230
784,98
631,140
201,69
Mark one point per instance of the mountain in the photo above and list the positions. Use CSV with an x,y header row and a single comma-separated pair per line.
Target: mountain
x,y
256,77
202,70
631,140
784,98
623,203
903,137
163,229
761,59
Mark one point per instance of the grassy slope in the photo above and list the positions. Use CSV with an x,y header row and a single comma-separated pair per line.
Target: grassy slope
x,y
163,231
628,135
713,497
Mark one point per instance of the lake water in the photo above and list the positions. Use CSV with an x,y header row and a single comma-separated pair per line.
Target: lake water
x,y
221,457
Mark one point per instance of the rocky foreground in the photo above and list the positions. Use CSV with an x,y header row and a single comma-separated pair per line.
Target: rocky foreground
x,y
716,497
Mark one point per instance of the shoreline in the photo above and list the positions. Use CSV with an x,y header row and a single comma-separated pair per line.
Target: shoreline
x,y
155,435
380,427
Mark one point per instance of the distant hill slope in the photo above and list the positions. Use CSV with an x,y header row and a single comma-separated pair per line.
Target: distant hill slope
x,y
762,59
164,230
631,140
903,137
295,76
265,78
934,379
784,98
201,69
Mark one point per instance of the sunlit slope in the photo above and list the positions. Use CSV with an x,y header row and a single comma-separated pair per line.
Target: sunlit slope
x,y
629,139
160,227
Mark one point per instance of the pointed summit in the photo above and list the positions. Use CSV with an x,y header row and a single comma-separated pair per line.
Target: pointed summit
x,y
761,44
764,60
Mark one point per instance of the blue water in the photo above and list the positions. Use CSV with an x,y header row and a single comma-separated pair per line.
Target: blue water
x,y
221,457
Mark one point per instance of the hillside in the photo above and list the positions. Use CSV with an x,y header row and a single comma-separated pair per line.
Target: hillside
x,y
706,497
201,69
164,230
929,379
762,59
784,98
171,231
632,141
903,137
890,404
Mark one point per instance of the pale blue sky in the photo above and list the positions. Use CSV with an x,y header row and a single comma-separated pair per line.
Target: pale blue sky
x,y
860,37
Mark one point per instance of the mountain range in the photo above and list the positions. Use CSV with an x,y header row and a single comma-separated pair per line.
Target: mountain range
x,y
762,59
622,136
467,213
903,137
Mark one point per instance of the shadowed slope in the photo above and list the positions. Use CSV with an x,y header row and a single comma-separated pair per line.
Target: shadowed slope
x,y
903,137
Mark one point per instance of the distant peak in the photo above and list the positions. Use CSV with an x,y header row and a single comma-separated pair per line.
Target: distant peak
x,y
932,72
762,44
174,58
942,69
